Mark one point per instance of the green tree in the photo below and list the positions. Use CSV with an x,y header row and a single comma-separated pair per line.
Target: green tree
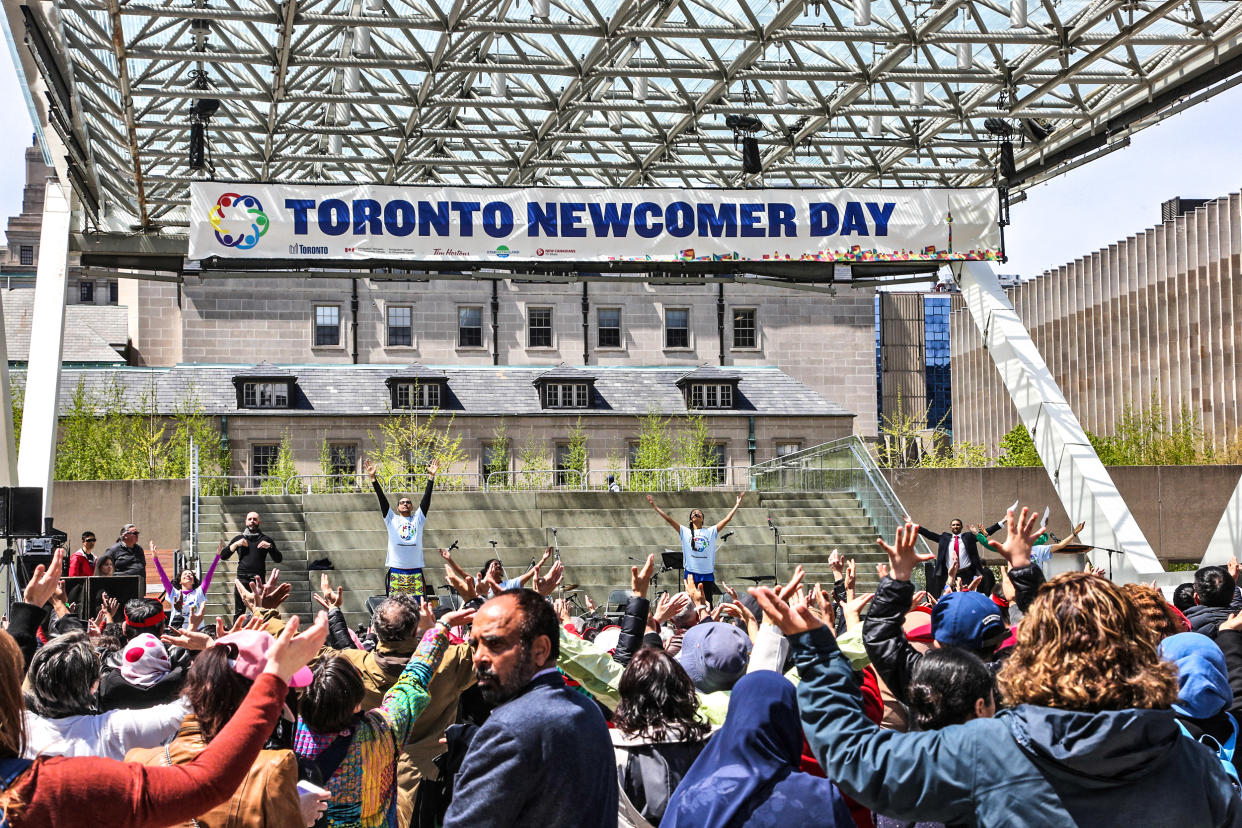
x,y
17,402
498,458
962,454
693,451
901,437
535,462
282,470
575,457
1017,448
654,451
409,442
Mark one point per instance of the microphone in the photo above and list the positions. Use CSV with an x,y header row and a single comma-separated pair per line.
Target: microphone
x,y
726,536
554,530
454,546
769,521
493,543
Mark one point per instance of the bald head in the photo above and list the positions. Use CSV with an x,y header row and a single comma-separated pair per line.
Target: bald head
x,y
252,521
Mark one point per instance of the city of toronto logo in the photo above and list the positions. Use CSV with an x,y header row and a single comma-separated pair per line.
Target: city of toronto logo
x,y
239,221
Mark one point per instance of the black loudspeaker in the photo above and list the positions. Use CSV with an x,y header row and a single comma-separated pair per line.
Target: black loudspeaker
x,y
1007,167
120,587
751,163
78,592
24,516
24,565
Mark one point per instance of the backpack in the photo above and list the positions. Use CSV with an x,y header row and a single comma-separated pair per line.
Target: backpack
x,y
1223,752
10,769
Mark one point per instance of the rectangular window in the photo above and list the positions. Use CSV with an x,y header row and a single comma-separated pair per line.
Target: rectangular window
x,y
716,462
263,460
400,331
26,254
539,328
418,395
567,395
564,476
744,328
114,292
608,327
265,395
711,395
343,458
495,458
86,293
327,325
786,449
677,328
470,327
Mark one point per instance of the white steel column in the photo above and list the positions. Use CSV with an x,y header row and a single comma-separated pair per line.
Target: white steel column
x,y
8,442
1227,539
35,461
1082,483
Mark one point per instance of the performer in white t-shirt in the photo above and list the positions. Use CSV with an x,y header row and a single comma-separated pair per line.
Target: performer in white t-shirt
x,y
405,536
698,542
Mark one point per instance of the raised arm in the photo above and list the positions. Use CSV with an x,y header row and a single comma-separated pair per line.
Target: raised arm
x,y
664,514
168,587
534,570
929,534
379,491
406,699
452,564
736,504
425,505
211,570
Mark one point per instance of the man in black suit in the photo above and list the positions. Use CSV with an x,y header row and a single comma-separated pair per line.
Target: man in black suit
x,y
543,757
957,546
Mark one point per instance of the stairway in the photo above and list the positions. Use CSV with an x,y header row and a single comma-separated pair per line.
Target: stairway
x,y
283,519
812,524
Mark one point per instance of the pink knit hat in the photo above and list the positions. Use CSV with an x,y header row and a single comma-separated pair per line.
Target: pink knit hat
x,y
252,648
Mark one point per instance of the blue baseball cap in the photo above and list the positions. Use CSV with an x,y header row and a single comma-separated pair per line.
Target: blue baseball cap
x,y
967,619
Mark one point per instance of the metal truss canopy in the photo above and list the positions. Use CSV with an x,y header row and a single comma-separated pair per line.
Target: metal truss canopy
x,y
599,92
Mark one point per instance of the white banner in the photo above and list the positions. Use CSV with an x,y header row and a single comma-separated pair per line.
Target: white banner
x,y
540,224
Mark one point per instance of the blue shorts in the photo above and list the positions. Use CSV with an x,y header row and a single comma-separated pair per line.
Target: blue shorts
x,y
702,579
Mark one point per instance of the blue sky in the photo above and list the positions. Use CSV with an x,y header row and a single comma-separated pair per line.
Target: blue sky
x,y
1195,154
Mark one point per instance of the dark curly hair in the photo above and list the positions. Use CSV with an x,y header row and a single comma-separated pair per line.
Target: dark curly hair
x,y
658,701
944,687
1084,645
329,702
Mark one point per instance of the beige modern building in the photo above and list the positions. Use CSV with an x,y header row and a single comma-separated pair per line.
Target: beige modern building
x,y
1156,315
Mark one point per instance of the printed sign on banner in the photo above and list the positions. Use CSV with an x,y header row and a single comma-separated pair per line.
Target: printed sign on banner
x,y
545,224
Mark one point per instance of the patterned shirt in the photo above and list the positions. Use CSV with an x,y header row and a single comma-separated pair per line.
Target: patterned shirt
x,y
364,787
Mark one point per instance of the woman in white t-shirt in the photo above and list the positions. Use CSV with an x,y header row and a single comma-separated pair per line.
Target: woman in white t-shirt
x,y
698,542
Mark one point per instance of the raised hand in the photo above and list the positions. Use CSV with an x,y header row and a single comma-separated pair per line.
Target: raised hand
x,y
426,618
459,618
292,651
464,586
1022,533
368,466
837,561
331,598
881,569
794,583
546,586
851,578
651,500
111,606
670,606
44,581
196,618
823,603
791,618
562,610
186,639
640,579
589,602
1232,566
852,609
902,555
695,591
1007,588
433,468
974,583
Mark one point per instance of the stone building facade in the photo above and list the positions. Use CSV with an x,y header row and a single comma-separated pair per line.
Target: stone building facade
x,y
825,342
1157,315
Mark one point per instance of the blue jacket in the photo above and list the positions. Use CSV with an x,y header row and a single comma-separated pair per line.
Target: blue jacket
x,y
542,759
1030,766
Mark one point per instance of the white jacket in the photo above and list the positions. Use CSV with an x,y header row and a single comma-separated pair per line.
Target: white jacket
x,y
110,735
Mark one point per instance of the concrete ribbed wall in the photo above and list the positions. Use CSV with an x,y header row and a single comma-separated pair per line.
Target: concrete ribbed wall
x,y
1157,314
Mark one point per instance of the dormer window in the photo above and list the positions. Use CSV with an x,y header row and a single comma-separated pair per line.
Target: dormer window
x,y
711,395
416,395
566,395
265,395
266,386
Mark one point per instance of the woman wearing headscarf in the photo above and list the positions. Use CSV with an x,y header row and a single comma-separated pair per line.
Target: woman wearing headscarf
x,y
748,777
1203,693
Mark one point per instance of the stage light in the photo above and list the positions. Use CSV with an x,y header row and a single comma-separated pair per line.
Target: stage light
x,y
965,56
1017,14
499,85
918,93
198,145
1008,169
862,12
875,126
743,123
204,108
780,91
752,163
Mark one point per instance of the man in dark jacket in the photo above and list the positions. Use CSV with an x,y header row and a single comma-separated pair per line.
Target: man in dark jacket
x,y
957,548
543,757
253,548
128,555
1214,588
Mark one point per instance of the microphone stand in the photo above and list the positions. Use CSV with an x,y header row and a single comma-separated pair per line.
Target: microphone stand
x,y
776,540
556,556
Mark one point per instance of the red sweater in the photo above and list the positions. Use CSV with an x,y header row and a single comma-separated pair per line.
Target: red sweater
x,y
69,791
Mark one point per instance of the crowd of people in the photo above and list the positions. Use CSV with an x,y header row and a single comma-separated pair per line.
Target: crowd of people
x,y
1033,702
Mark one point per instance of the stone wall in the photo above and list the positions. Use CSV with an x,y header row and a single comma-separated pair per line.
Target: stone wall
x,y
826,342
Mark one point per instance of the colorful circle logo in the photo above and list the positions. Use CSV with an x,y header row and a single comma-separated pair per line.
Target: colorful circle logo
x,y
239,221
503,251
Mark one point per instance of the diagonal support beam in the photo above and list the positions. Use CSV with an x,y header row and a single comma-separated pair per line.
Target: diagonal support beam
x,y
35,460
1082,483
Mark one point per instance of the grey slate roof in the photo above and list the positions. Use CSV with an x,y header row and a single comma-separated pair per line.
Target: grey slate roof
x,y
92,332
471,390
